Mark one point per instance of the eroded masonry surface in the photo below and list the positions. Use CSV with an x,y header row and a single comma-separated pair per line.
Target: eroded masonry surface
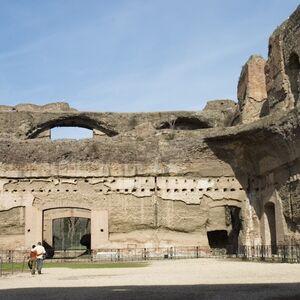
x,y
227,175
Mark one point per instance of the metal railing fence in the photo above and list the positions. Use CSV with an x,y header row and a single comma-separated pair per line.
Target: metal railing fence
x,y
275,253
12,261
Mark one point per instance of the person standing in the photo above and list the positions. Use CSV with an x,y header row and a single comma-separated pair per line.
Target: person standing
x,y
32,259
40,252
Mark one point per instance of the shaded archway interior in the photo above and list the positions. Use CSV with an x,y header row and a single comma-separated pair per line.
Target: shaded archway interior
x,y
185,123
270,226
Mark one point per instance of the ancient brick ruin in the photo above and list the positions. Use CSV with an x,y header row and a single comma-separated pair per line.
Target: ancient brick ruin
x,y
228,175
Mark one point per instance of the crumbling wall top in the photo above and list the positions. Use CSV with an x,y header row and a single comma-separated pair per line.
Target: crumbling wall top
x,y
50,107
223,104
25,121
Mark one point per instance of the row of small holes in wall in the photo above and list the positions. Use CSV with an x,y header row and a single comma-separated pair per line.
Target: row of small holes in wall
x,y
195,180
169,190
132,190
113,180
42,191
201,190
167,180
75,181
135,180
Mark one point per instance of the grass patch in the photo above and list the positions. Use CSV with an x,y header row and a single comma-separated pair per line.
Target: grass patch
x,y
76,265
15,267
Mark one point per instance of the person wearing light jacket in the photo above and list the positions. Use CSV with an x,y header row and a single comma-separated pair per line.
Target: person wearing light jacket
x,y
40,252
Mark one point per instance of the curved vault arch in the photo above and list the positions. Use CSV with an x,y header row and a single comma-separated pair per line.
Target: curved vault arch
x,y
80,121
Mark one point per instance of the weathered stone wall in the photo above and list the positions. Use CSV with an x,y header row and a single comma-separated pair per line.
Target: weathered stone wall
x,y
159,187
283,66
289,193
32,121
135,204
12,221
12,224
265,159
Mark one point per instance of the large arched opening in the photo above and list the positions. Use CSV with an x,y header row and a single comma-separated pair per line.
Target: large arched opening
x,y
98,128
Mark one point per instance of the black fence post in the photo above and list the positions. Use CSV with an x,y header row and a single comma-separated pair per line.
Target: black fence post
x,y
284,254
262,257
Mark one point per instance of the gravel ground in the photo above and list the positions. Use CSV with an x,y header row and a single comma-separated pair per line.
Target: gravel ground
x,y
161,273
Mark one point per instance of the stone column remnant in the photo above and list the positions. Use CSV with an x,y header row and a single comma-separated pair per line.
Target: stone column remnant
x,y
251,91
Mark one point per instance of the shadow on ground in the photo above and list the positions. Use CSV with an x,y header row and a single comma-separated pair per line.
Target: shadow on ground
x,y
214,292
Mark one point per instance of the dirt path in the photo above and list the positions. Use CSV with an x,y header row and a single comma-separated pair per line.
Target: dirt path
x,y
158,273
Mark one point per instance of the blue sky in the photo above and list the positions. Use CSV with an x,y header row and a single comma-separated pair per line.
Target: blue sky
x,y
131,55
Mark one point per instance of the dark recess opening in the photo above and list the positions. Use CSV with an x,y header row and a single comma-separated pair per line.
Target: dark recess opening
x,y
217,239
270,213
184,123
233,237
293,72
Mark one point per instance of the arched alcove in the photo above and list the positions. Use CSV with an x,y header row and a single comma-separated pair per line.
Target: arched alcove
x,y
293,72
270,226
184,123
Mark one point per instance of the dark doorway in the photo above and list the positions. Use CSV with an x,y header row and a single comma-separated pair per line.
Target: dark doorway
x,y
217,239
270,226
233,237
69,233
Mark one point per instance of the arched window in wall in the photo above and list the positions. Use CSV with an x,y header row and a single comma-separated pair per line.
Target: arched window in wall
x,y
293,72
74,127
